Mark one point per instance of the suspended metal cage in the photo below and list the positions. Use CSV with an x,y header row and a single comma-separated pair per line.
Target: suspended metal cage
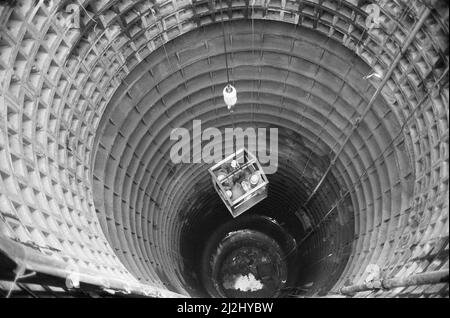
x,y
240,181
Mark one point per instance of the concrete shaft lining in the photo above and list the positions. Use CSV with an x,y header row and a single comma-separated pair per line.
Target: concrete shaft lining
x,y
133,165
60,87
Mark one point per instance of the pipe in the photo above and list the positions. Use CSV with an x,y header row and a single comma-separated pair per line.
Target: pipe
x,y
429,278
407,43
404,125
32,260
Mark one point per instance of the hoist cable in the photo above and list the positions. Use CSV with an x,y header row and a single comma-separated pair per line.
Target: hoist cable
x,y
226,66
253,27
224,42
253,51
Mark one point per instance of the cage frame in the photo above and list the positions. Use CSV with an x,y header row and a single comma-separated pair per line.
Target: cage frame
x,y
237,207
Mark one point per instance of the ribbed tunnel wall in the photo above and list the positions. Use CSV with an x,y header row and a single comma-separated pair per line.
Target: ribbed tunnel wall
x,y
297,80
86,178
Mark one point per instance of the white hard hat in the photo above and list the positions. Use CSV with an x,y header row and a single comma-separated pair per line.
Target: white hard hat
x,y
254,179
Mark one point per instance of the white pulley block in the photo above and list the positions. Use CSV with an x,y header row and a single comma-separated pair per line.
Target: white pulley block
x,y
230,96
